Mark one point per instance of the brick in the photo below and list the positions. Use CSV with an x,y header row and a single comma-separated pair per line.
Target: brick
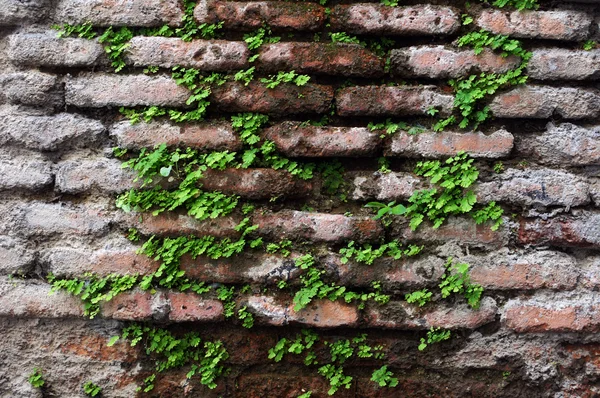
x,y
213,135
46,49
296,140
434,145
24,170
282,100
86,175
136,306
580,230
557,313
27,299
45,219
319,313
16,258
48,133
277,384
532,188
401,315
510,270
564,144
256,183
255,14
541,102
100,89
553,25
385,186
31,88
439,62
338,59
109,13
318,227
16,12
171,224
422,20
205,55
563,64
393,101
187,307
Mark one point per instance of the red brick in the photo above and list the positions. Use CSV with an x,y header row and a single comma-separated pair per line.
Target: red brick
x,y
320,58
541,102
256,183
578,314
111,13
285,386
205,55
433,145
563,64
282,100
318,227
191,307
580,230
210,135
422,20
395,101
99,174
255,14
100,89
401,315
293,139
388,186
135,306
439,62
95,347
556,25
171,224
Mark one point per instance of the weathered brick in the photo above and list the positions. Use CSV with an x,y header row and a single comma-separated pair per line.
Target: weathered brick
x,y
255,14
24,170
187,307
439,62
563,64
319,313
541,102
556,313
544,187
205,55
171,224
110,13
401,315
507,270
434,145
100,89
555,25
212,135
294,139
48,133
16,12
256,183
136,306
382,100
45,218
31,299
580,230
46,49
564,144
421,20
385,186
31,88
320,58
16,258
100,174
282,100
320,227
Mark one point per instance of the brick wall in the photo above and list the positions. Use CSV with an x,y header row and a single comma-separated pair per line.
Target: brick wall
x,y
535,332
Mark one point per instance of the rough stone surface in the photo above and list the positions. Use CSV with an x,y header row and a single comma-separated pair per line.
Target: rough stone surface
x,y
31,88
27,170
85,175
562,64
16,12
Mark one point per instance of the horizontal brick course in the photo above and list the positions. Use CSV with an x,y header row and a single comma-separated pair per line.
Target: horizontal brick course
x,y
136,305
205,55
555,25
17,12
172,224
27,171
320,58
439,62
421,20
31,88
562,64
46,219
582,230
541,102
191,307
382,100
100,174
